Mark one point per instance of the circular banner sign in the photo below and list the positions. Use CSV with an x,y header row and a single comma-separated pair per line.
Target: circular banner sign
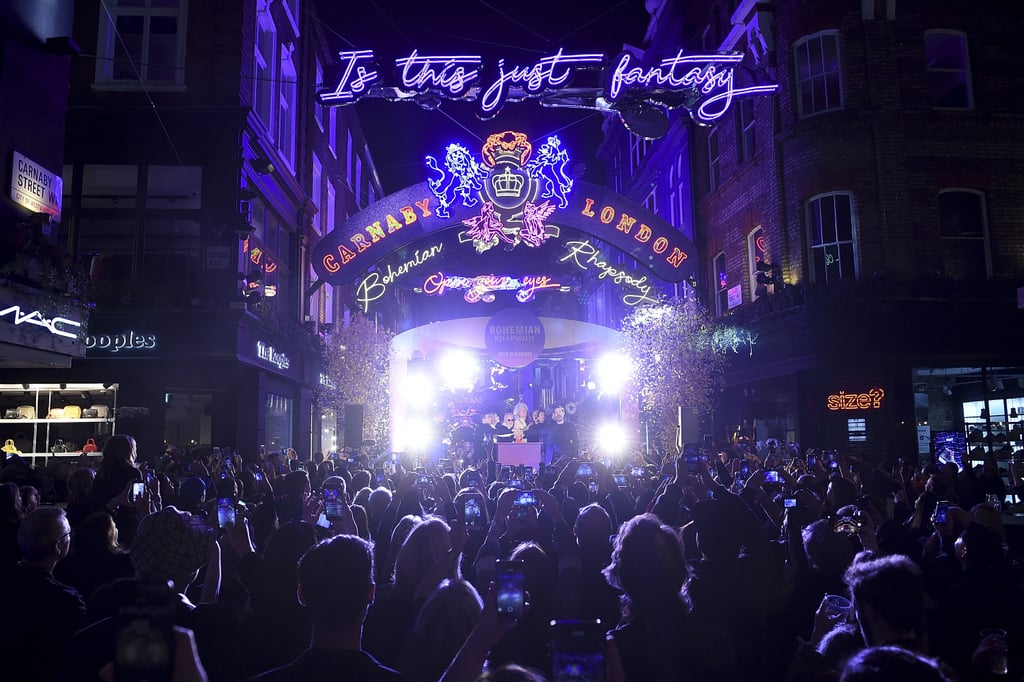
x,y
514,337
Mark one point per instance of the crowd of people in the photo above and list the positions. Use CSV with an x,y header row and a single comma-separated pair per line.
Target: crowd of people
x,y
713,565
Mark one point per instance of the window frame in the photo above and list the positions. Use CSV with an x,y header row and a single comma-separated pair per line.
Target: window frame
x,y
287,100
721,292
812,247
753,252
800,84
984,238
264,72
966,69
107,38
318,109
747,142
714,161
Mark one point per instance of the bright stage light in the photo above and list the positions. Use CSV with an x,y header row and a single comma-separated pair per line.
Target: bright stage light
x,y
417,389
612,372
414,436
458,370
612,439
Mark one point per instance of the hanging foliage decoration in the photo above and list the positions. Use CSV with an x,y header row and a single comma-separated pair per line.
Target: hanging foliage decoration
x,y
357,363
680,354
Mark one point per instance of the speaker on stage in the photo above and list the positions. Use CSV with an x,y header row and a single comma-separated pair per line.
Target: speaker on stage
x,y
353,426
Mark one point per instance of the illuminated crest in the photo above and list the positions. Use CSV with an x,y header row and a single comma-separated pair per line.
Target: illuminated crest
x,y
509,185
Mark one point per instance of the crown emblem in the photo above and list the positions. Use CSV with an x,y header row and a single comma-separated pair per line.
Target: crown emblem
x,y
507,184
508,147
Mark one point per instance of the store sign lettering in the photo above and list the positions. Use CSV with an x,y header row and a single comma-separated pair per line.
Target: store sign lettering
x,y
626,224
586,257
708,79
54,325
482,287
375,284
872,400
269,354
115,343
35,188
375,232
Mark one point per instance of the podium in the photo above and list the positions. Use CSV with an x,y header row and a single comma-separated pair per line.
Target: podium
x,y
513,454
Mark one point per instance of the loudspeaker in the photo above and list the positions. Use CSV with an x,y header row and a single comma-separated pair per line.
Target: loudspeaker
x,y
353,426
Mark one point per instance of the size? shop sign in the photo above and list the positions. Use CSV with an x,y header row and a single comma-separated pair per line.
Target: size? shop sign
x,y
871,400
35,188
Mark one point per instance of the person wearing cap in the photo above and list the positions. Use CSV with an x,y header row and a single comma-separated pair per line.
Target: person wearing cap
x,y
337,608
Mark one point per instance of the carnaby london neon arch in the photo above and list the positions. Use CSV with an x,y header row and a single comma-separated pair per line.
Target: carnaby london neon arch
x,y
516,193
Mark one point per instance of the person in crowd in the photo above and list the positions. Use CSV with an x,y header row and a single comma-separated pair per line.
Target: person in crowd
x,y
657,639
521,421
293,496
96,558
444,622
885,663
537,432
563,438
117,470
504,430
10,519
41,613
79,505
29,499
192,496
336,609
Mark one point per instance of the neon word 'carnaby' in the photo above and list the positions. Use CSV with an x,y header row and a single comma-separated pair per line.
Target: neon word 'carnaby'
x,y
708,78
54,325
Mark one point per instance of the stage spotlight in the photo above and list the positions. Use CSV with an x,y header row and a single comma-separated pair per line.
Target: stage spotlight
x,y
458,370
415,436
612,372
612,439
418,389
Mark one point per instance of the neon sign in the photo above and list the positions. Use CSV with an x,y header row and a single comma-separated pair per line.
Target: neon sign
x,y
272,355
482,287
117,342
54,325
259,257
706,82
872,400
610,214
510,181
375,284
585,255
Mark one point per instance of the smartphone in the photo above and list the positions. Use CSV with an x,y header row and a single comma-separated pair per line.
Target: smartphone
x,y
323,521
592,487
511,585
941,512
585,469
577,651
744,470
473,479
424,481
515,483
521,505
636,472
472,514
333,502
138,490
143,640
225,511
691,464
259,476
772,476
620,480
789,502
811,460
379,477
847,525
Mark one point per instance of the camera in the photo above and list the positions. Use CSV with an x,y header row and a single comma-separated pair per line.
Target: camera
x,y
585,469
522,504
789,502
138,490
941,512
515,484
511,586
772,476
848,525
143,643
333,502
225,512
472,514
423,481
577,648
620,480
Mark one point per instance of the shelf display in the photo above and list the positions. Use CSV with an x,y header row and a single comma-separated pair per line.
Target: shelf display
x,y
53,420
994,427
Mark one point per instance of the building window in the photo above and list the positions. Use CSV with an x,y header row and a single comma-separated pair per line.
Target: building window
x,y
285,135
714,169
818,76
266,69
964,232
277,423
350,160
748,138
174,187
756,253
142,42
357,185
831,229
291,10
949,71
317,195
857,430
651,202
721,285
318,109
331,198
